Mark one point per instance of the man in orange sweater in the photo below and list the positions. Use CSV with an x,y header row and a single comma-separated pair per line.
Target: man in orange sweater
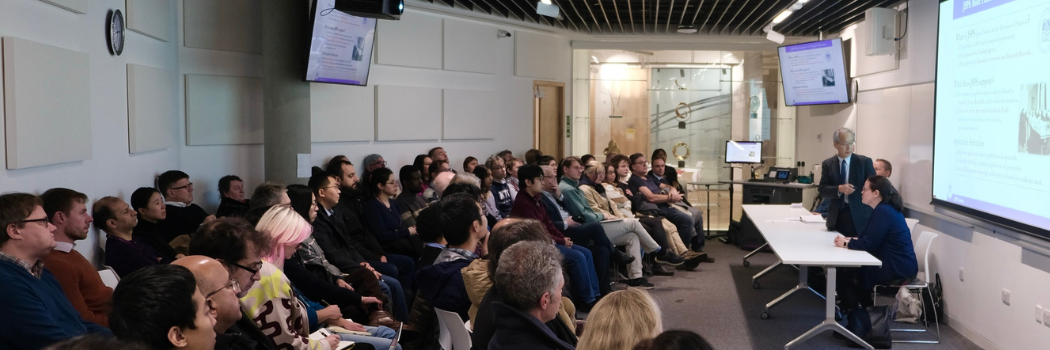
x,y
67,210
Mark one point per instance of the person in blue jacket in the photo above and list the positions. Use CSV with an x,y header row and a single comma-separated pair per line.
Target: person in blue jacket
x,y
887,237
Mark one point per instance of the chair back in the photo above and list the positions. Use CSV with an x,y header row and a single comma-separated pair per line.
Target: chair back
x,y
109,277
912,224
922,250
453,333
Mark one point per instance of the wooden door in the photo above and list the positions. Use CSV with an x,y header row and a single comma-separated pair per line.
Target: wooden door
x,y
549,118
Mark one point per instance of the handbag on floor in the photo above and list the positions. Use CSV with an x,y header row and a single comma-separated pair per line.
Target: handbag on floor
x,y
872,324
934,306
909,309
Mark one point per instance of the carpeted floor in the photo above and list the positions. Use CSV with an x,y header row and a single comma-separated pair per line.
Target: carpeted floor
x,y
718,302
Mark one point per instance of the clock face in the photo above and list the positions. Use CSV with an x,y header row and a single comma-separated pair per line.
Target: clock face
x,y
755,103
115,34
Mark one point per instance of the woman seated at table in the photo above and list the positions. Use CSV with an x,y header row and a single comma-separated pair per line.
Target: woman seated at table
x,y
887,237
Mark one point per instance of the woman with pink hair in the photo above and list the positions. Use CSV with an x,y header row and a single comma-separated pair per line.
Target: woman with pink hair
x,y
274,302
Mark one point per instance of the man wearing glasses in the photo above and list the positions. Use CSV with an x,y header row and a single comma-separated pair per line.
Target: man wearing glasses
x,y
220,295
236,246
35,311
184,217
842,177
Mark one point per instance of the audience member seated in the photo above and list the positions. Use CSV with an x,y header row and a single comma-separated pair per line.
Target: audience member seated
x,y
35,311
587,158
411,200
478,277
579,262
235,244
675,340
887,237
286,230
883,168
124,253
647,191
220,295
161,306
547,161
335,228
438,154
269,194
617,171
529,277
503,192
466,230
488,202
532,155
231,193
512,173
183,216
67,210
149,205
506,155
469,164
371,163
590,235
667,178
422,163
621,320
433,238
383,217
442,178
621,230
365,241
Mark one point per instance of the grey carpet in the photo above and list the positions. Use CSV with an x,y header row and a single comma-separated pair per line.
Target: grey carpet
x,y
718,302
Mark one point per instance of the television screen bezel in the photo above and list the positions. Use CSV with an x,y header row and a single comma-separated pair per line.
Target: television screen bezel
x,y
842,52
309,41
726,152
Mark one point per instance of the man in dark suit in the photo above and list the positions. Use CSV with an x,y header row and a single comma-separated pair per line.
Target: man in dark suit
x,y
841,181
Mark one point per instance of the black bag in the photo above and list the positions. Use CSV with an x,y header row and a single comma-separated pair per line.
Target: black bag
x,y
872,324
936,305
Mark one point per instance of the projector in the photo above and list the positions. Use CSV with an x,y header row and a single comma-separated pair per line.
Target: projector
x,y
379,9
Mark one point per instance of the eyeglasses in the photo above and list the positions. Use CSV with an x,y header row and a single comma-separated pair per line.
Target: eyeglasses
x,y
253,271
190,185
233,285
44,221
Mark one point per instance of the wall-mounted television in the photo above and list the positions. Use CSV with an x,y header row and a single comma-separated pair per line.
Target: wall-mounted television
x,y
340,46
747,152
814,73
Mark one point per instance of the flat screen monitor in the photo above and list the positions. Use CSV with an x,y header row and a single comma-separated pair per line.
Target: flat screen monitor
x,y
340,46
749,152
814,73
991,127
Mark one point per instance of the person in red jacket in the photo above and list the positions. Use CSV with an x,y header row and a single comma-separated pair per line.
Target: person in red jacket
x,y
67,210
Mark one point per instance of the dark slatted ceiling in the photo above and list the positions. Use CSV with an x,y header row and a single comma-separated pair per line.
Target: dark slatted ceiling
x,y
709,17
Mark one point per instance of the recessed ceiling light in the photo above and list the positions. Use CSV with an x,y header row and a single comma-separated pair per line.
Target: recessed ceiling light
x,y
687,29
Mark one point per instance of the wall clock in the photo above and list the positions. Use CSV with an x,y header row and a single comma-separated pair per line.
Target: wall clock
x,y
115,32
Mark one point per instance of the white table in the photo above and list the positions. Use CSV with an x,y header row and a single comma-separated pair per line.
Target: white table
x,y
807,244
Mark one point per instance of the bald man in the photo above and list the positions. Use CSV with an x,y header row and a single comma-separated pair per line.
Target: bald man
x,y
220,293
441,181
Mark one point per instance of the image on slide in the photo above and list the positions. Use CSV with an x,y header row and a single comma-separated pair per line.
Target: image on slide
x,y
1034,131
359,49
829,77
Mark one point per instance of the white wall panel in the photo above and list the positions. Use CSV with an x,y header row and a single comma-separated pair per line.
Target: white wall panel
x,y
469,47
539,56
469,114
150,17
407,113
77,6
47,104
414,41
227,25
152,107
342,113
223,110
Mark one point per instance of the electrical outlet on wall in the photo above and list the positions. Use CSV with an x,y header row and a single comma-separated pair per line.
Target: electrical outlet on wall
x,y
1006,296
1046,317
1038,314
961,274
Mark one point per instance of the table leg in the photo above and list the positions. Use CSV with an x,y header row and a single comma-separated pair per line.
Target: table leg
x,y
754,279
708,189
829,317
753,252
803,284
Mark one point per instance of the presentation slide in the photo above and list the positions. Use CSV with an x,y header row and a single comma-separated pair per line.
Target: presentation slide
x,y
992,129
743,152
814,73
340,47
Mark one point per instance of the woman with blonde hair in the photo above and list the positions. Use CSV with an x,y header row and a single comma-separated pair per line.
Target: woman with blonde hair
x,y
621,320
275,302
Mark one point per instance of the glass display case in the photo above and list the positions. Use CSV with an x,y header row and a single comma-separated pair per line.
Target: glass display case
x,y
690,118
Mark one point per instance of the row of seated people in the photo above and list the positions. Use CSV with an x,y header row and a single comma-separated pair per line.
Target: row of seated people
x,y
339,242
